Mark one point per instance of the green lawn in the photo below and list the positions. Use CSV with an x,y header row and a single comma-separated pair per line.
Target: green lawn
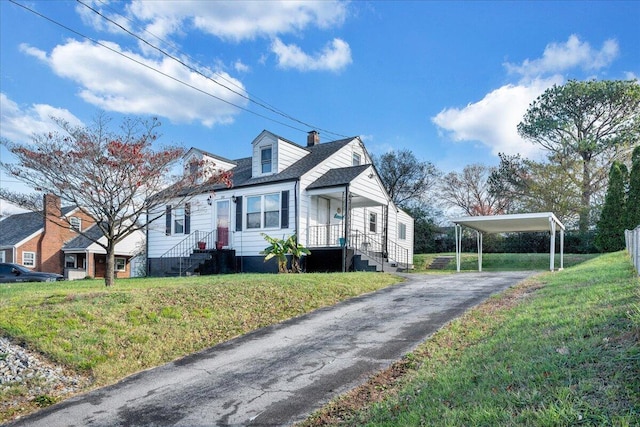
x,y
561,349
500,262
109,333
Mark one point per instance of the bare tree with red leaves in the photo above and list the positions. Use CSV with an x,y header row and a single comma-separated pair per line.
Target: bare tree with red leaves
x,y
116,178
469,191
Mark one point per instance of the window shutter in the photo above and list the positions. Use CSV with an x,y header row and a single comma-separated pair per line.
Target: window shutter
x,y
284,209
187,218
239,213
167,216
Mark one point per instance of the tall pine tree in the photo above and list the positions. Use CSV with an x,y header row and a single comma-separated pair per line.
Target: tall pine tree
x,y
611,226
633,195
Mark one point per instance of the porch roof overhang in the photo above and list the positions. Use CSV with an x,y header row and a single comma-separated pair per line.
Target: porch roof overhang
x,y
530,222
365,188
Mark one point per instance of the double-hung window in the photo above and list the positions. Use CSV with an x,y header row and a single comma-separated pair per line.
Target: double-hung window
x,y
402,231
121,264
373,222
266,160
71,261
76,223
263,211
178,219
29,259
356,159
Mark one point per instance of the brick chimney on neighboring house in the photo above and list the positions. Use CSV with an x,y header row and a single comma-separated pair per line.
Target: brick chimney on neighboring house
x,y
313,138
50,256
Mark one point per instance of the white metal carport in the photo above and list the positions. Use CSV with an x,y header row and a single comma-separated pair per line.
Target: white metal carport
x,y
543,221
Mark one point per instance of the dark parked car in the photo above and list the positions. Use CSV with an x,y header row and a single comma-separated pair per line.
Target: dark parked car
x,y
11,273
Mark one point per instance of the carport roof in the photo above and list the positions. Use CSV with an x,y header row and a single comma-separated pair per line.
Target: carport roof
x,y
510,223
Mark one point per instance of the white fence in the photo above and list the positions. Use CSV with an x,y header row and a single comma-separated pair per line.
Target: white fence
x,y
632,239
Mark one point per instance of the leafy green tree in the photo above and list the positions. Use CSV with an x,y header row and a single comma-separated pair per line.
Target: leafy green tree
x,y
592,122
533,186
406,179
425,228
611,226
633,194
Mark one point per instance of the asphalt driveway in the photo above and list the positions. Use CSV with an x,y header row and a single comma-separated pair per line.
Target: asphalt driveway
x,y
279,374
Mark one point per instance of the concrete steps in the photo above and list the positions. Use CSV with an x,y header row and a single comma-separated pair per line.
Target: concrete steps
x,y
440,263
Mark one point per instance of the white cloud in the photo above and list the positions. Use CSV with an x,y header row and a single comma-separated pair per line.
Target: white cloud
x,y
493,120
18,123
112,82
240,67
560,57
238,20
334,57
630,75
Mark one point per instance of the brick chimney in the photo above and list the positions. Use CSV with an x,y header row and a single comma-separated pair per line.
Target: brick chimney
x,y
313,138
49,257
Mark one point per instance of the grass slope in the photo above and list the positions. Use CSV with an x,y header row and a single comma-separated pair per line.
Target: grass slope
x,y
109,333
560,349
500,262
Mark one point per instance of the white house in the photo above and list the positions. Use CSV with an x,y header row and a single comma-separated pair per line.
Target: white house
x,y
328,194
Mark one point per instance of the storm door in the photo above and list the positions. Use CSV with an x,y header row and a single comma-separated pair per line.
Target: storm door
x,y
222,222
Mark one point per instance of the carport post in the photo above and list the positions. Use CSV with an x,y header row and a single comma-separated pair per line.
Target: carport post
x,y
561,248
479,237
552,249
458,229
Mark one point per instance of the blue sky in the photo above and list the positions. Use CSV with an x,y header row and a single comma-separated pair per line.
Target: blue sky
x,y
447,80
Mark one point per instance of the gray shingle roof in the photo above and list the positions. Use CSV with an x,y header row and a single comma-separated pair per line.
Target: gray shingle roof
x,y
82,242
317,154
18,227
340,176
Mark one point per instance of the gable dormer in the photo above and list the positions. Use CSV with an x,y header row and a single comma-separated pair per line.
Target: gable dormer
x,y
272,154
204,164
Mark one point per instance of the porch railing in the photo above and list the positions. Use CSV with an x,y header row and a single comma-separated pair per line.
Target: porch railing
x,y
325,235
364,243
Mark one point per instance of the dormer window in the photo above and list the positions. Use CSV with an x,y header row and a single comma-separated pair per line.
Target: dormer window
x,y
266,159
194,168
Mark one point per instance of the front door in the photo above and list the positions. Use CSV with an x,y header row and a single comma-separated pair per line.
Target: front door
x,y
324,220
222,222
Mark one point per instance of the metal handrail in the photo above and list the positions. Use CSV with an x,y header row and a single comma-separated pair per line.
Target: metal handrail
x,y
182,251
367,245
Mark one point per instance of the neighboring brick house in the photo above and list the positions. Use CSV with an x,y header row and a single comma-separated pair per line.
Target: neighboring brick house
x,y
41,241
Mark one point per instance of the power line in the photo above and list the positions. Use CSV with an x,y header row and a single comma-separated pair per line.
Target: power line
x,y
172,77
152,68
253,98
189,67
